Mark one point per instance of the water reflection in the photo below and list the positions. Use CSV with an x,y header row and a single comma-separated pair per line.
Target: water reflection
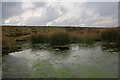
x,y
79,62
15,65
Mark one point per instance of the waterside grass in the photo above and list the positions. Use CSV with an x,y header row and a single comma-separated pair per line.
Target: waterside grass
x,y
56,36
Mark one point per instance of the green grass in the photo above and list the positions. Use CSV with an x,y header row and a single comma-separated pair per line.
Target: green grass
x,y
40,39
109,35
86,40
56,37
60,38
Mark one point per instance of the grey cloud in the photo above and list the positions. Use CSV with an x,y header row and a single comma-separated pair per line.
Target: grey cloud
x,y
39,4
0,13
106,9
119,13
50,15
102,9
10,9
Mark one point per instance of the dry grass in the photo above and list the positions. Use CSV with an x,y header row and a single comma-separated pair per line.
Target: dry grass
x,y
10,35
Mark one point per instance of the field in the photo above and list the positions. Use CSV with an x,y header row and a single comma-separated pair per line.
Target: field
x,y
14,37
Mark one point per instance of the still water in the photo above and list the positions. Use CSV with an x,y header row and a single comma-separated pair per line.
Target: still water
x,y
78,62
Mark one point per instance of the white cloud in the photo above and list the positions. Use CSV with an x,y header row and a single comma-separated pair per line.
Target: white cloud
x,y
107,21
32,13
61,1
27,5
7,21
27,14
73,11
104,21
64,13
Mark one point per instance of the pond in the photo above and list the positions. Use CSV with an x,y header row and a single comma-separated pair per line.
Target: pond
x,y
80,61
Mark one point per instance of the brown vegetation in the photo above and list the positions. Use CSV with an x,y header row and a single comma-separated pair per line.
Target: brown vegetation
x,y
12,35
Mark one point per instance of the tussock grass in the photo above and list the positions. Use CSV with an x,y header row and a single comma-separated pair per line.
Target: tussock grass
x,y
109,36
56,36
60,38
41,38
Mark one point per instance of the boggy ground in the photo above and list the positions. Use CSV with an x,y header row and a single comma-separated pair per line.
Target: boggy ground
x,y
16,38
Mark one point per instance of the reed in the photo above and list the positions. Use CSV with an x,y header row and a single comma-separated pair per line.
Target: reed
x,y
109,36
60,38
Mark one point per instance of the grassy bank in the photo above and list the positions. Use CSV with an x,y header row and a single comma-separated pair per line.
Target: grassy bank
x,y
56,36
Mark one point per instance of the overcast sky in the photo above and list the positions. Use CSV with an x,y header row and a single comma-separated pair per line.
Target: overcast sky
x,y
103,14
